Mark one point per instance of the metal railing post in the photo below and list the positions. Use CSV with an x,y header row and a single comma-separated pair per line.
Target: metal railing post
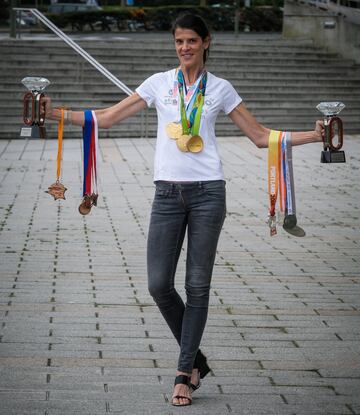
x,y
13,14
142,135
147,122
48,23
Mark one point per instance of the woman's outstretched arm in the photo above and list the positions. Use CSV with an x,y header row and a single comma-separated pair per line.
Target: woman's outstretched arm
x,y
106,117
259,134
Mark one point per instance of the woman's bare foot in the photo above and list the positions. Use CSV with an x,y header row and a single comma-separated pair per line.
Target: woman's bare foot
x,y
195,378
183,391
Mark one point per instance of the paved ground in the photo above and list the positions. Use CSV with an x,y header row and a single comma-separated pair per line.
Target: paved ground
x,y
79,334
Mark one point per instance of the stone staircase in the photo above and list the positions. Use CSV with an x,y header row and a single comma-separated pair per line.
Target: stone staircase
x,y
280,81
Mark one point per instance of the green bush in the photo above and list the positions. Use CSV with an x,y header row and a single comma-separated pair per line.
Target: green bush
x,y
265,18
4,11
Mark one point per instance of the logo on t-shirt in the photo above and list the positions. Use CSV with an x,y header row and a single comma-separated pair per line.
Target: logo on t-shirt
x,y
170,99
209,101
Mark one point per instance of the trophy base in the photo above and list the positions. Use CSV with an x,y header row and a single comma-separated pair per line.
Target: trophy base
x,y
331,156
33,131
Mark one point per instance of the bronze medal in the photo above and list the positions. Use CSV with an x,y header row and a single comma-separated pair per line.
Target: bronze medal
x,y
57,190
87,203
195,144
174,130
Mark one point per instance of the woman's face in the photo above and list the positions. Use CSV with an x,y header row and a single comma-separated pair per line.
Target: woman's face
x,y
190,47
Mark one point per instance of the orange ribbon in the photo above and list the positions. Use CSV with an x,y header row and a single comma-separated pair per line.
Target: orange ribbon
x,y
274,176
60,139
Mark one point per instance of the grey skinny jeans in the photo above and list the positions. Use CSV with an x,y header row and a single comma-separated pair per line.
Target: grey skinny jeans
x,y
200,208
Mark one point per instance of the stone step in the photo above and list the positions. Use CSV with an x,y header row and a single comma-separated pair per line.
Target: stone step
x,y
12,79
243,89
111,98
138,61
121,71
281,82
269,109
66,54
269,118
165,43
148,48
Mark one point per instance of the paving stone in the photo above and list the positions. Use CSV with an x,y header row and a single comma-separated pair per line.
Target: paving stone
x,y
80,334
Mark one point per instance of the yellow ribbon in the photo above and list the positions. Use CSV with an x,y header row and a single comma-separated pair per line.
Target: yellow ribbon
x,y
274,167
60,139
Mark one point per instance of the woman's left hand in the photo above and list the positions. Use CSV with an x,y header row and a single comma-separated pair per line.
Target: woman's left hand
x,y
320,130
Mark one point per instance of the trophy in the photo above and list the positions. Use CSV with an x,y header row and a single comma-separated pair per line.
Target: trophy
x,y
33,119
333,129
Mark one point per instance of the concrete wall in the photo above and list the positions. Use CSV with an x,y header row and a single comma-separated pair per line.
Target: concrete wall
x,y
301,20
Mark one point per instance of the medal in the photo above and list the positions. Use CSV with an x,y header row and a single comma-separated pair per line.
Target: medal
x,y
187,133
295,231
57,189
90,145
281,182
182,142
195,144
87,203
174,130
186,143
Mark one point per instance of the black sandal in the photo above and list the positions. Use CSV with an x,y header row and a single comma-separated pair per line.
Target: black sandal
x,y
200,363
183,380
197,386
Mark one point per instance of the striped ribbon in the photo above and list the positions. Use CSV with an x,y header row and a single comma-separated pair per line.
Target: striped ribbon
x,y
191,122
280,177
90,147
60,144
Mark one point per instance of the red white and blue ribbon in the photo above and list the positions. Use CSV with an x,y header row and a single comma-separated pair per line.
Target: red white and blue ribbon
x,y
288,174
90,146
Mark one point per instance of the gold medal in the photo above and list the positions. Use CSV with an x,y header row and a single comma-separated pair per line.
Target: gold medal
x,y
174,130
195,144
182,142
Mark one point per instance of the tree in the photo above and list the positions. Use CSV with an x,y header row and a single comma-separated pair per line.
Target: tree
x,y
203,3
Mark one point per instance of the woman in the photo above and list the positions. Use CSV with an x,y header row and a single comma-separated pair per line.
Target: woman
x,y
190,186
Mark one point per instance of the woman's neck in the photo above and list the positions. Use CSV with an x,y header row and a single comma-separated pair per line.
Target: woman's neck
x,y
192,74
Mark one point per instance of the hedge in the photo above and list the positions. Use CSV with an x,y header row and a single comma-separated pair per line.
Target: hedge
x,y
265,18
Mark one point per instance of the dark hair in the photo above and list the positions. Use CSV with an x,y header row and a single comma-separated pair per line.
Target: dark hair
x,y
197,24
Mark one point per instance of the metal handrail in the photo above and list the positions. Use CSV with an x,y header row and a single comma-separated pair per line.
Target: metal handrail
x,y
351,14
48,23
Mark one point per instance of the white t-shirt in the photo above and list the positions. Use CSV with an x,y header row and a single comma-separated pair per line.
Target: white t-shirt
x,y
170,163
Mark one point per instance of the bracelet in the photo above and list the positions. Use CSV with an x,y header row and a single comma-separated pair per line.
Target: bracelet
x,y
67,116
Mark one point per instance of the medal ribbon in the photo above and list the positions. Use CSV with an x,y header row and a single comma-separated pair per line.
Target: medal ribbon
x,y
191,125
273,169
280,176
90,144
60,140
289,175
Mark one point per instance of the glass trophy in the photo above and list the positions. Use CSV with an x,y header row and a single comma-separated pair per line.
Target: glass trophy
x,y
333,132
33,119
